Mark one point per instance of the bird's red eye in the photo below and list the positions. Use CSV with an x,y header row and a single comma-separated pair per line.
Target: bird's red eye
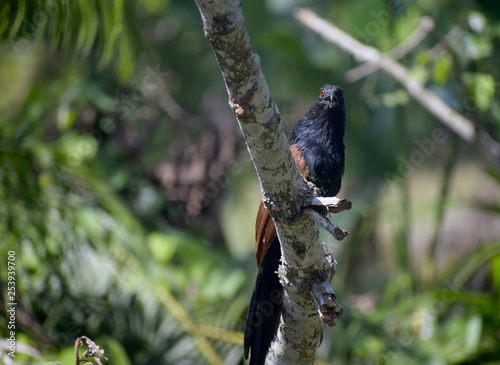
x,y
322,92
341,94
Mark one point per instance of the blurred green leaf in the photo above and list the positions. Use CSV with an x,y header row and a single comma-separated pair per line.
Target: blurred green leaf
x,y
477,47
495,272
114,351
66,117
441,70
465,268
422,58
221,284
473,334
83,26
419,73
78,148
155,6
162,246
482,87
395,98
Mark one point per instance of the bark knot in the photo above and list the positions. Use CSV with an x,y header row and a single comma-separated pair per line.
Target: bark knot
x,y
221,24
242,106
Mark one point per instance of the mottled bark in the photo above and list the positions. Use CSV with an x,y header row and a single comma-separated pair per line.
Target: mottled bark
x,y
305,271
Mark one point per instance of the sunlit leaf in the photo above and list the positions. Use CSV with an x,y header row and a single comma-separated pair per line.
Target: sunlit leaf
x,y
395,98
477,47
78,148
473,333
495,272
66,117
161,246
482,87
441,70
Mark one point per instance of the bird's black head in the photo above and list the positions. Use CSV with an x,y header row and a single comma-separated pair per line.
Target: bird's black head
x,y
331,96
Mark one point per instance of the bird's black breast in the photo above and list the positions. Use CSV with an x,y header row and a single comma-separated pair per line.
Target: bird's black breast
x,y
321,141
325,167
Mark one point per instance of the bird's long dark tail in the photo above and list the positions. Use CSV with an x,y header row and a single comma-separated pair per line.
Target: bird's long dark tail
x,y
265,307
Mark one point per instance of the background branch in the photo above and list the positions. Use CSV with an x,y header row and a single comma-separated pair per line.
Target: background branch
x,y
428,99
425,25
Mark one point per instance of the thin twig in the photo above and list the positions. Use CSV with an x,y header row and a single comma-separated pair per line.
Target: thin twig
x,y
328,226
164,100
78,343
448,41
425,25
332,204
326,302
93,351
440,209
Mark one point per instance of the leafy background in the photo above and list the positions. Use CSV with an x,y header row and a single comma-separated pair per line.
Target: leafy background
x,y
129,198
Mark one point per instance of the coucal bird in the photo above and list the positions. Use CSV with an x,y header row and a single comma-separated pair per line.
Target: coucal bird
x,y
317,145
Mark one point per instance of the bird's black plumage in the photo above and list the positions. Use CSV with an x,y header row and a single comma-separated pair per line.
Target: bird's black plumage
x,y
265,307
320,137
317,143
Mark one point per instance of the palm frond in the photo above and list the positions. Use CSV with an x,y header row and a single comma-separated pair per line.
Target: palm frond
x,y
82,27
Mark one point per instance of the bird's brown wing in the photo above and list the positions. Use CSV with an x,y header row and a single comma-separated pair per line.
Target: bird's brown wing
x,y
265,231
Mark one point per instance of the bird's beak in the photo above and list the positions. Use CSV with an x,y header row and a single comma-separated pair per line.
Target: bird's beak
x,y
331,100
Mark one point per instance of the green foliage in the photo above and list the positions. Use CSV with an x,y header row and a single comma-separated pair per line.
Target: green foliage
x,y
101,251
80,26
86,263
482,89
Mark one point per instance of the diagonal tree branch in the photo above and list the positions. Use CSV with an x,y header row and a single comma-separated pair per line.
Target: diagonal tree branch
x,y
425,25
462,126
284,191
